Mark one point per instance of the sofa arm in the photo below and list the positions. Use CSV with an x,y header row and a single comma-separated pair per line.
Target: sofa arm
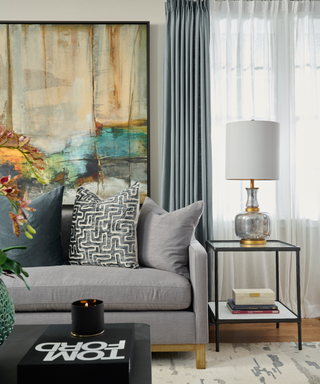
x,y
198,268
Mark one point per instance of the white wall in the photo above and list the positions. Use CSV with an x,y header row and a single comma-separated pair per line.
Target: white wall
x,y
109,10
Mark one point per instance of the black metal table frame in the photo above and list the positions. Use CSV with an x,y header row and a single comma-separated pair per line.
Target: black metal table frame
x,y
213,245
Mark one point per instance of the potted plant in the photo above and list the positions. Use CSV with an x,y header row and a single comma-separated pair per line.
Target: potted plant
x,y
18,214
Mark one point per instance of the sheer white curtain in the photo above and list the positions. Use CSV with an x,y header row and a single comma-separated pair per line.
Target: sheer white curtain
x,y
265,65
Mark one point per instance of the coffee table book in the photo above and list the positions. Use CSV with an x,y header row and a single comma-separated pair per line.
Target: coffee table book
x,y
57,356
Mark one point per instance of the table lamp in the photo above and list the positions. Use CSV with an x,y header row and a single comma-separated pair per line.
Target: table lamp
x,y
252,153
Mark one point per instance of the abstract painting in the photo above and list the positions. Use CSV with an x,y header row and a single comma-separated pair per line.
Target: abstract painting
x,y
81,92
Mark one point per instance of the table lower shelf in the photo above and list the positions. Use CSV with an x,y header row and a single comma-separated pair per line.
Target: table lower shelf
x,y
226,316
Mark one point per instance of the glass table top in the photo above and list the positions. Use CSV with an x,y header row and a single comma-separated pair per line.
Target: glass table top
x,y
234,246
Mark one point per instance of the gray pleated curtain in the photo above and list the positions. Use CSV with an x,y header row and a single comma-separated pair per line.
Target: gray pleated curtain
x,y
186,130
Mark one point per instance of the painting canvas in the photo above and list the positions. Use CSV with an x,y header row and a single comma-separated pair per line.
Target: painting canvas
x,y
80,91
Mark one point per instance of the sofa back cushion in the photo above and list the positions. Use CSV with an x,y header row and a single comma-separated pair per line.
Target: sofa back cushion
x,y
103,231
45,249
164,238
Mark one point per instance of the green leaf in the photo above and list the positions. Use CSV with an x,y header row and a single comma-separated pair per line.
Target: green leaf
x,y
15,267
12,266
25,273
3,257
21,277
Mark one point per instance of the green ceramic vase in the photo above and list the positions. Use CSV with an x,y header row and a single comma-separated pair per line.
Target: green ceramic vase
x,y
6,312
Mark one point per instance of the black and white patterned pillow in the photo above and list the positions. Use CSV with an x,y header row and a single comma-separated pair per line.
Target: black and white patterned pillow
x,y
104,232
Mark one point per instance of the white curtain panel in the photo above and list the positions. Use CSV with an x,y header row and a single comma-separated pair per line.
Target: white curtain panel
x,y
265,65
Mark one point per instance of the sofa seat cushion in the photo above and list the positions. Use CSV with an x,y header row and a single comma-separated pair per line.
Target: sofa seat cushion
x,y
144,289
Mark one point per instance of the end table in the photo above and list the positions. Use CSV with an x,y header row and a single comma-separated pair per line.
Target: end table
x,y
219,311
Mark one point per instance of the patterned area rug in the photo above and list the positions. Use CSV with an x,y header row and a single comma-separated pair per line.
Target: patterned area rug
x,y
241,363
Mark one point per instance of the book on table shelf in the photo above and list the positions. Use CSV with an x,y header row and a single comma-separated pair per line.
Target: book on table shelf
x,y
251,311
252,307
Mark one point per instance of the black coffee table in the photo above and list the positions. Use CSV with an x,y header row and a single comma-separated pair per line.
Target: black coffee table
x,y
24,336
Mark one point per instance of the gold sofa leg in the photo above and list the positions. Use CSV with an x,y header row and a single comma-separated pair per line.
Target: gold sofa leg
x,y
200,350
201,356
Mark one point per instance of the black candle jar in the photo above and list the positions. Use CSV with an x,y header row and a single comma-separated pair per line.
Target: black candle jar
x,y
87,318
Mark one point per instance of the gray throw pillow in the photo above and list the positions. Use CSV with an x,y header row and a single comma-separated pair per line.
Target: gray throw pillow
x,y
45,249
164,238
104,232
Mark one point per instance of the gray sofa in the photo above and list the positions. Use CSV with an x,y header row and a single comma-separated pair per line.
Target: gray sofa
x,y
175,307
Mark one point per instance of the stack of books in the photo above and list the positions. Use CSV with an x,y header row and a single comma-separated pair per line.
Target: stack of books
x,y
251,308
252,301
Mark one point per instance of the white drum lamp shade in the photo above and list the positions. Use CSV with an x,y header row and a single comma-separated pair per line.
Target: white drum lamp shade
x,y
252,153
252,150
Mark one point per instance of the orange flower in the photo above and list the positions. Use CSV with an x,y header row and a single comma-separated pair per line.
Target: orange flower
x,y
20,205
8,188
24,203
8,180
16,221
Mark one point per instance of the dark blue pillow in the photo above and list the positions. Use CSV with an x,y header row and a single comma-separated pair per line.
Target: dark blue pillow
x,y
45,249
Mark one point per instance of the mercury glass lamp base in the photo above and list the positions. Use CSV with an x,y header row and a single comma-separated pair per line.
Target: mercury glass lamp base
x,y
253,227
